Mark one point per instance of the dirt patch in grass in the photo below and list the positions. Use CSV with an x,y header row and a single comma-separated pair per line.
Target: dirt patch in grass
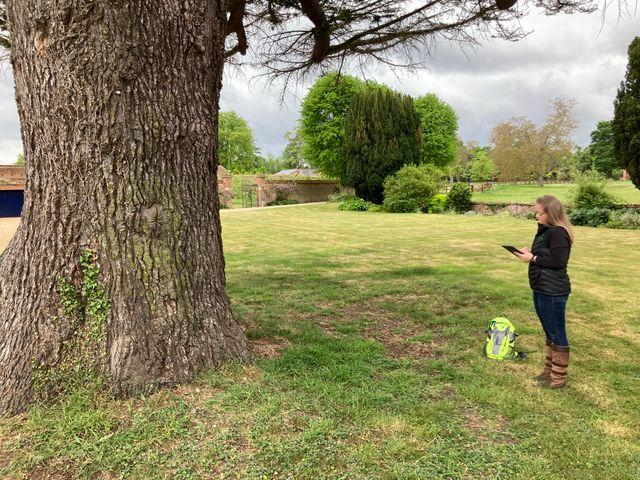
x,y
269,347
42,473
7,434
399,335
398,341
478,427
6,457
448,392
329,327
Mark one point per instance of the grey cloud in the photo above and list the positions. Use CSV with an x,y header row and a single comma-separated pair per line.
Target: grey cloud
x,y
10,142
565,56
560,41
269,115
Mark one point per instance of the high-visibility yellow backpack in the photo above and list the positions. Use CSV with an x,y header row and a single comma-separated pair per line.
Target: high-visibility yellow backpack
x,y
501,340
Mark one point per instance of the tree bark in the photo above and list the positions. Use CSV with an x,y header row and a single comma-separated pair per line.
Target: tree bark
x,y
118,107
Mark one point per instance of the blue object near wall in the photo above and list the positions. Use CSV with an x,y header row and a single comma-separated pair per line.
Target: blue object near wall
x,y
11,203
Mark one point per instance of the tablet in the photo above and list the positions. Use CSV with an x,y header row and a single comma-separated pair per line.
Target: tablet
x,y
512,249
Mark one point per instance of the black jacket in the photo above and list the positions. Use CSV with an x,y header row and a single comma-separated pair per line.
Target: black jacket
x,y
548,274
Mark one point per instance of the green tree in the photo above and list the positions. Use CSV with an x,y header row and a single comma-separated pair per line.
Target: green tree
x,y
322,122
601,149
383,133
567,167
270,164
439,127
482,168
460,169
626,117
20,160
292,156
583,159
522,150
236,147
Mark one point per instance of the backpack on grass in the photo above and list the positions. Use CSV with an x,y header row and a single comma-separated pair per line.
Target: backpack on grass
x,y
501,340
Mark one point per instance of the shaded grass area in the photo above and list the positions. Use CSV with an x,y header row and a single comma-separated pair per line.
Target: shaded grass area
x,y
623,191
367,331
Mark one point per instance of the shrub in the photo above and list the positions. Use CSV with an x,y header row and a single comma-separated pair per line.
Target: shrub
x,y
628,218
437,203
459,198
592,217
355,205
375,208
590,192
283,193
411,188
341,196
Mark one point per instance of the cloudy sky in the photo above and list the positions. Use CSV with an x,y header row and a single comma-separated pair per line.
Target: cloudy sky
x,y
579,56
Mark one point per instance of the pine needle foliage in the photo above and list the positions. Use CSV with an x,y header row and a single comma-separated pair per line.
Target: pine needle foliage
x,y
382,134
626,119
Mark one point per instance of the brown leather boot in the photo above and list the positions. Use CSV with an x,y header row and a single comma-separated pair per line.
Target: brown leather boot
x,y
559,364
545,376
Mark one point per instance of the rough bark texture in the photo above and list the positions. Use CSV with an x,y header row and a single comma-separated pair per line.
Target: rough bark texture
x,y
118,103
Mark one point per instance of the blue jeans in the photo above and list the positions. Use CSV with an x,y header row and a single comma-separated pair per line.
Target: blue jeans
x,y
551,312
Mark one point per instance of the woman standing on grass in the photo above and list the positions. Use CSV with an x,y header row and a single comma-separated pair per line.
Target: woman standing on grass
x,y
550,283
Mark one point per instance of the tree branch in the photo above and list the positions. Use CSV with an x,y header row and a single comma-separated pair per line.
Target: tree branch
x,y
505,4
314,12
234,24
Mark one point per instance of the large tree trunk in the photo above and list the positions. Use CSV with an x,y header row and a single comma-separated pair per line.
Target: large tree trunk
x,y
118,104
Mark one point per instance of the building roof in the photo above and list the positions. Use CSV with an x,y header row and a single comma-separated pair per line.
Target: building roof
x,y
299,172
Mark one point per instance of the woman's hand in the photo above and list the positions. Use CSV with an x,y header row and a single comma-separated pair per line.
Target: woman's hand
x,y
525,256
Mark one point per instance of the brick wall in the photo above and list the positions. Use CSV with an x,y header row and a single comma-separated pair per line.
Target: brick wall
x,y
12,177
225,188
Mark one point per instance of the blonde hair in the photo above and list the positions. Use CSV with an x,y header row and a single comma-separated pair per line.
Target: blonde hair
x,y
556,215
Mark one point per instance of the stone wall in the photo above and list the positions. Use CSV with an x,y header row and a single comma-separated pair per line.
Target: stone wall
x,y
496,208
300,190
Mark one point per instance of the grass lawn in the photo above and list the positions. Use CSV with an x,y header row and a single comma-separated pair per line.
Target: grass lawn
x,y
367,330
625,192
